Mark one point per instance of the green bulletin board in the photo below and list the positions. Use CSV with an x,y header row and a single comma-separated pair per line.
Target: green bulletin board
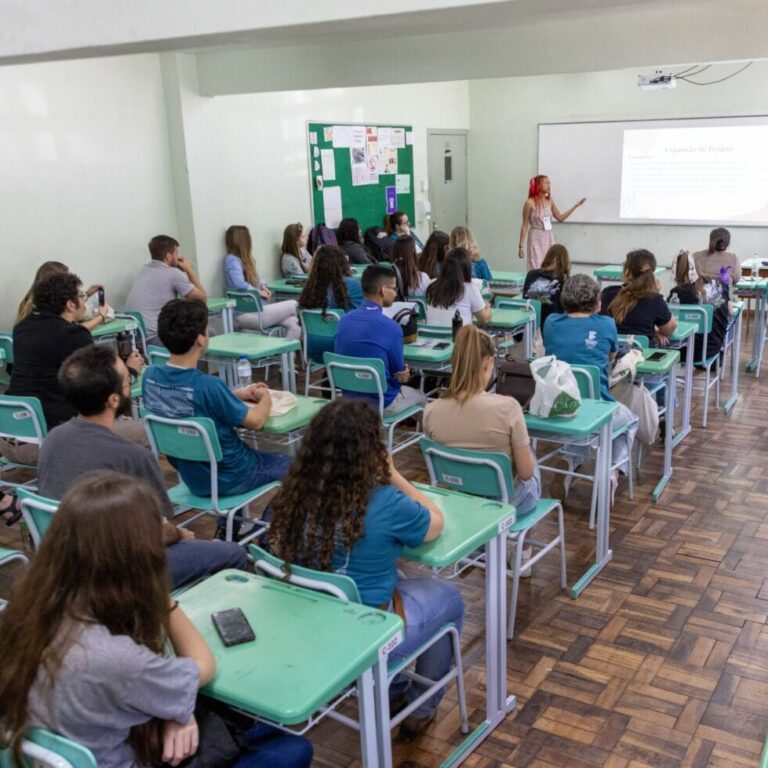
x,y
355,169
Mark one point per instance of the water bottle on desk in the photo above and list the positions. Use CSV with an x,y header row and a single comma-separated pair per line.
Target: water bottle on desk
x,y
243,372
456,324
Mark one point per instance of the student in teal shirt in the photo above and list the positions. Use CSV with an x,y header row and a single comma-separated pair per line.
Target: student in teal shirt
x,y
344,507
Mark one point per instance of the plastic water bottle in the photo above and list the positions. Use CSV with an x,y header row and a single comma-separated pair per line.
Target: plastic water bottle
x,y
456,324
243,372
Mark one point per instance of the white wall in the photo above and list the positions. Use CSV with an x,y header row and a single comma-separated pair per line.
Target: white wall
x,y
85,171
504,128
247,156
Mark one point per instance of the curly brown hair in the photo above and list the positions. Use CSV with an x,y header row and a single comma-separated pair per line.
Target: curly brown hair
x,y
329,268
324,497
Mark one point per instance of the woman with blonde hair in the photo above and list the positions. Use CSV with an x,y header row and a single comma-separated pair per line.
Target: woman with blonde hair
x,y
461,237
546,283
295,259
240,275
468,416
636,305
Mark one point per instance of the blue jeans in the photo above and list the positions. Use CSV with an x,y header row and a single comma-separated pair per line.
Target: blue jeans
x,y
192,559
429,605
269,747
527,492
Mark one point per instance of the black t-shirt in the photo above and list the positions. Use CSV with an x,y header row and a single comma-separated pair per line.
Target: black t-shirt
x,y
542,285
645,317
686,294
41,343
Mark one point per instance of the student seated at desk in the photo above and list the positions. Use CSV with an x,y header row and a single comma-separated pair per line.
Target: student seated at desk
x,y
351,242
410,281
461,237
344,507
87,627
466,415
295,259
167,276
179,390
636,305
431,258
240,275
692,288
330,284
399,226
454,291
96,383
46,269
368,332
717,255
583,337
546,283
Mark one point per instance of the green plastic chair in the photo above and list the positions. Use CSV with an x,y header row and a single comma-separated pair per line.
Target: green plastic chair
x,y
195,439
6,347
41,747
489,474
157,355
366,376
141,327
317,324
435,331
10,556
21,419
38,512
421,307
701,316
345,589
534,304
252,302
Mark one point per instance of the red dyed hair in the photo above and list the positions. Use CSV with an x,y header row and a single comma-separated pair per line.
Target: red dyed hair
x,y
534,186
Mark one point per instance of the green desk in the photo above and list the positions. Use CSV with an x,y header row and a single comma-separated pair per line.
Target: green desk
x,y
613,273
423,356
748,287
282,289
308,648
666,367
287,430
224,308
472,522
593,419
685,334
257,348
510,321
105,333
506,282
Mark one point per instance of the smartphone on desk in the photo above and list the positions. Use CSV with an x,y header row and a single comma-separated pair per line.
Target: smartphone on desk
x,y
442,345
233,627
656,356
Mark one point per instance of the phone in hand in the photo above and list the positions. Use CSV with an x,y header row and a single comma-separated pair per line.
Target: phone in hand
x,y
442,345
102,297
656,356
233,627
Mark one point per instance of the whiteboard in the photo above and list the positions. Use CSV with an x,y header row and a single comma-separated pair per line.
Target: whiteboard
x,y
705,171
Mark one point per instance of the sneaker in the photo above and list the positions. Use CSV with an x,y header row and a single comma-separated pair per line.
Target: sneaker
x,y
525,573
413,727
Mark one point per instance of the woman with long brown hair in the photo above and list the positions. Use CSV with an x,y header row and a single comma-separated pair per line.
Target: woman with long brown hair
x,y
546,283
330,284
453,291
636,305
84,634
344,507
410,280
295,259
431,258
240,275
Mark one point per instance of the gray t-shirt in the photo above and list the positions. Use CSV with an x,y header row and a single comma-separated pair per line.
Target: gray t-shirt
x,y
107,684
154,286
80,446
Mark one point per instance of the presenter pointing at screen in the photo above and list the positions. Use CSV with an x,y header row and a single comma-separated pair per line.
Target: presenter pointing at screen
x,y
538,212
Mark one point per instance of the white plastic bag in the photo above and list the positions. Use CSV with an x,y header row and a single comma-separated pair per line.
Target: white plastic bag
x,y
557,392
282,402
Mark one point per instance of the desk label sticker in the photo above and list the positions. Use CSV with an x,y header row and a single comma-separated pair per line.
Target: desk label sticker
x,y
451,479
188,431
390,645
363,375
19,415
505,525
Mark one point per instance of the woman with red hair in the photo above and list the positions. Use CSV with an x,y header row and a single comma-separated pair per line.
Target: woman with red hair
x,y
538,212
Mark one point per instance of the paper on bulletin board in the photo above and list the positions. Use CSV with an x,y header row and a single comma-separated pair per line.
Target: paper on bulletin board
x,y
312,137
398,138
342,136
390,161
329,164
385,138
409,137
317,166
372,162
328,133
403,184
358,136
315,151
332,206
358,161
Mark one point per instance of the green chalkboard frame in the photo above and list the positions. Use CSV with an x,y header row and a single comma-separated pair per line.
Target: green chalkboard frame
x,y
367,203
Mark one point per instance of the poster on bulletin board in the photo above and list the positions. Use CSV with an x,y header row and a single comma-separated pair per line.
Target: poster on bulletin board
x,y
360,171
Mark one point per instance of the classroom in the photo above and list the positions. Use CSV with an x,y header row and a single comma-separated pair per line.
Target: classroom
x,y
384,386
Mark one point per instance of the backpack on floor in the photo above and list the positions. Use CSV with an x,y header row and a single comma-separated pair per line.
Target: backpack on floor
x,y
321,235
378,243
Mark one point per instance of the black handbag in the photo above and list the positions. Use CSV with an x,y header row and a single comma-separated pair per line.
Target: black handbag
x,y
514,379
218,746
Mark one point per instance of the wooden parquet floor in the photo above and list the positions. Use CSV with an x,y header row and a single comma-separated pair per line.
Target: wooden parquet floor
x,y
663,660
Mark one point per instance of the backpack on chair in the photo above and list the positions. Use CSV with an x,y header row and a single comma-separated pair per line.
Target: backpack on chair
x,y
320,235
378,244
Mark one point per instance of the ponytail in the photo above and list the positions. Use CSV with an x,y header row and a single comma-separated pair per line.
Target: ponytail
x,y
639,283
471,347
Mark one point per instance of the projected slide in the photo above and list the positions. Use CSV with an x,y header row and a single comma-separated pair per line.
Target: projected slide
x,y
696,174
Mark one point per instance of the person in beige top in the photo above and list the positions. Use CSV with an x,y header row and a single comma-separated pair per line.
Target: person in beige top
x,y
466,416
708,262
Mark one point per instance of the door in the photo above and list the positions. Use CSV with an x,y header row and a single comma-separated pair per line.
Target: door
x,y
447,169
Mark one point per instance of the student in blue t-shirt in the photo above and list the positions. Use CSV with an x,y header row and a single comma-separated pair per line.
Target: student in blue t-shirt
x,y
344,507
583,337
179,391
368,332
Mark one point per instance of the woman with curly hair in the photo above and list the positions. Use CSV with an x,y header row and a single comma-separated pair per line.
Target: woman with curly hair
x,y
344,507
85,633
330,284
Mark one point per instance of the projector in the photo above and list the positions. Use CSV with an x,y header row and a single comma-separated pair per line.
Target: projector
x,y
656,82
